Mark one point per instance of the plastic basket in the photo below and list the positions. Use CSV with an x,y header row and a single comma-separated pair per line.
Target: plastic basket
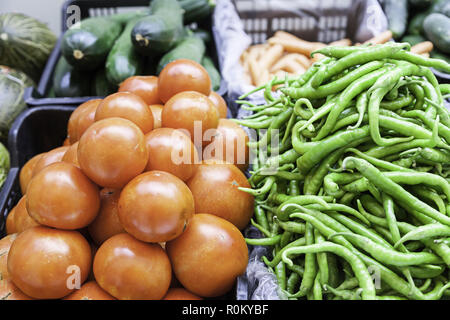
x,y
90,8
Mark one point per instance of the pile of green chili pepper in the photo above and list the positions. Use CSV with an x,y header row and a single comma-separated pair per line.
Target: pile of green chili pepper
x,y
351,173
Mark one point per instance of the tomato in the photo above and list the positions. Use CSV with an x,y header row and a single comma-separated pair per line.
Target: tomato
x,y
66,142
156,111
145,87
107,223
5,245
193,112
112,152
49,157
215,191
71,155
229,144
183,75
61,196
22,219
155,206
26,172
172,151
219,103
47,263
9,291
90,291
180,294
10,225
209,255
80,119
130,269
128,106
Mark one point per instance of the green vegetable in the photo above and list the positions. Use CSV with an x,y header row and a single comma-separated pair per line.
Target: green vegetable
x,y
101,86
123,61
415,26
214,74
420,3
192,48
413,39
196,10
25,43
4,164
159,31
203,34
396,12
437,29
69,82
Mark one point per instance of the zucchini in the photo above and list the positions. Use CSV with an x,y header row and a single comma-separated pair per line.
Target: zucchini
x,y
415,26
102,87
123,61
196,10
437,29
192,48
69,82
214,74
420,4
413,39
159,31
397,15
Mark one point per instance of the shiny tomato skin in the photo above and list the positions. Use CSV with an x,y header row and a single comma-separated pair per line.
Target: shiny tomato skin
x,y
90,291
80,119
183,75
172,151
126,105
229,144
107,223
145,87
62,196
130,269
155,206
5,245
220,103
71,155
26,172
215,191
22,219
224,255
10,225
180,294
188,110
42,259
9,291
52,156
112,152
156,111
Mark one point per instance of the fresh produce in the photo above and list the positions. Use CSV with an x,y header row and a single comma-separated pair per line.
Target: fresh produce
x,y
214,74
48,158
196,10
5,246
396,12
156,110
12,87
9,291
4,164
436,27
71,155
145,87
81,119
350,176
102,87
90,291
180,294
69,82
22,219
220,104
25,43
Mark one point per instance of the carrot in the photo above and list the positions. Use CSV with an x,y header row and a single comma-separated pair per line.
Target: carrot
x,y
271,55
380,38
297,46
343,42
422,47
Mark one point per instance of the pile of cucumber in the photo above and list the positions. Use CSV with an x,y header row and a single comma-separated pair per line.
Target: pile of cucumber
x,y
98,53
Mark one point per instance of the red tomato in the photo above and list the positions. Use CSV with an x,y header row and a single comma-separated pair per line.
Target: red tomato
x,y
10,225
129,269
80,119
26,172
71,155
145,87
209,255
180,294
193,112
229,144
90,291
219,103
107,223
46,263
22,219
61,196
128,106
9,291
172,151
183,75
48,158
155,206
5,245
215,191
112,152
156,111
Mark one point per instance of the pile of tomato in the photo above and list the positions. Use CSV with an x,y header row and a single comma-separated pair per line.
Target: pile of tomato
x,y
114,214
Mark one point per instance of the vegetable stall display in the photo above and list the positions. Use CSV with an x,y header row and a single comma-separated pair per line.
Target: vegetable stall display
x,y
351,176
113,209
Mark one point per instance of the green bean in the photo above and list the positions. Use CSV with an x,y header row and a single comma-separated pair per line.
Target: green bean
x,y
280,271
430,195
285,238
264,241
317,288
292,282
424,232
321,259
349,283
291,226
277,258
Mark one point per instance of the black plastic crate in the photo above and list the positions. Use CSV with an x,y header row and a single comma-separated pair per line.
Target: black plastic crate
x,y
91,8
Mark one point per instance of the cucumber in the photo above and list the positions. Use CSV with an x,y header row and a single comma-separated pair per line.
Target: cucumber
x,y
102,87
397,15
123,61
415,26
159,31
420,4
69,82
192,48
197,10
203,34
413,39
87,43
437,29
214,74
